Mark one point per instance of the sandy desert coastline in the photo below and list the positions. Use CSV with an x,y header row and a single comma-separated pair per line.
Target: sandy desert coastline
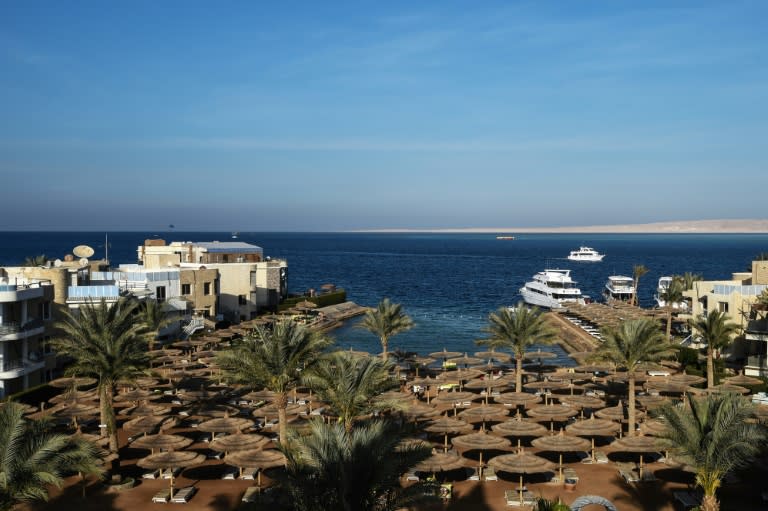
x,y
682,227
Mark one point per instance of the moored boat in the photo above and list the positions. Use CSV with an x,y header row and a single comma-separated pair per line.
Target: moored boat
x,y
586,254
619,287
664,283
552,289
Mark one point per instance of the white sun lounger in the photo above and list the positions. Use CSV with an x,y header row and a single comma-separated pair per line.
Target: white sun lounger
x,y
250,495
183,495
162,496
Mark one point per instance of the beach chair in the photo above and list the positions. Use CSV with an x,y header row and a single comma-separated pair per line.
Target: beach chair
x,y
490,475
183,495
472,474
153,474
251,494
629,476
166,474
162,496
411,476
600,457
229,473
249,474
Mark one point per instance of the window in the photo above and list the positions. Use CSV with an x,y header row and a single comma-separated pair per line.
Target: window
x,y
47,345
186,289
160,293
722,306
45,310
241,299
207,288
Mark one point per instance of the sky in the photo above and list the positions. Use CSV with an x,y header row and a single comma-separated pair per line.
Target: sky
x,y
333,116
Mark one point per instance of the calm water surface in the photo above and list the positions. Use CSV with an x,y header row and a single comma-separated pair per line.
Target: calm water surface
x,y
448,283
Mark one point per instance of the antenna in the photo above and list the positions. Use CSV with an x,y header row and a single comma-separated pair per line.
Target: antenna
x,y
83,251
106,247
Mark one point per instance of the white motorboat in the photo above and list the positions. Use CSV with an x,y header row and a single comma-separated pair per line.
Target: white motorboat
x,y
551,289
619,288
664,283
586,254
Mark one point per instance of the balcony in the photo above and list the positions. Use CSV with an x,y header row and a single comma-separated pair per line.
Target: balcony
x,y
21,292
12,331
17,367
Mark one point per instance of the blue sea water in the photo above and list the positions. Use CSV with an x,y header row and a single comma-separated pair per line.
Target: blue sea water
x,y
448,283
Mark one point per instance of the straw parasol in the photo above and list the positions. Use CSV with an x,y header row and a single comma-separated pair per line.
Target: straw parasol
x,y
74,381
561,443
224,425
552,413
742,379
650,401
465,360
638,444
239,442
162,441
582,401
538,355
147,423
521,463
171,460
439,462
260,395
480,441
519,427
618,413
137,395
454,398
260,459
145,409
75,410
484,413
517,398
445,354
593,427
73,396
686,379
419,410
494,355
447,425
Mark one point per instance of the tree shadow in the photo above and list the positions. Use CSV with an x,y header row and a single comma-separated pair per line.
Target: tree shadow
x,y
649,495
96,498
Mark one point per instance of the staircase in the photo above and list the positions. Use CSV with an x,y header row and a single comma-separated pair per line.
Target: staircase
x,y
195,325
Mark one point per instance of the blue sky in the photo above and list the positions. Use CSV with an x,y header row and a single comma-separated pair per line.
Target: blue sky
x,y
323,116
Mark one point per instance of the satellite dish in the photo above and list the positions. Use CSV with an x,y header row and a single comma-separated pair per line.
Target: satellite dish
x,y
83,261
82,251
57,263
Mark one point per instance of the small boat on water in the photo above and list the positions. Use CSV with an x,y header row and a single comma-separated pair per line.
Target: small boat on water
x,y
586,254
505,237
235,235
551,289
664,283
619,288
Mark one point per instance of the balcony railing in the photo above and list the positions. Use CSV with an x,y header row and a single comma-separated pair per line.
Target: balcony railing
x,y
757,361
12,327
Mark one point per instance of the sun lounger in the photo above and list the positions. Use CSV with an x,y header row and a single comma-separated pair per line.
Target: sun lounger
x,y
230,473
153,474
629,476
411,476
490,475
250,495
166,474
162,496
513,498
600,457
472,474
183,495
249,474
687,499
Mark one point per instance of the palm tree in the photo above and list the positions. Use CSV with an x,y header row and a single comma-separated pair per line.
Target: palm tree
x,y
517,329
385,321
716,332
714,435
638,271
633,343
350,384
107,342
274,359
673,294
155,317
38,260
350,470
32,457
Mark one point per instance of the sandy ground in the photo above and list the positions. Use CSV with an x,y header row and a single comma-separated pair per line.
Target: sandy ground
x,y
596,479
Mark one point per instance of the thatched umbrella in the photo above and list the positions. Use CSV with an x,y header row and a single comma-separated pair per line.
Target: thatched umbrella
x,y
224,425
171,460
552,413
138,395
147,423
239,442
538,355
146,409
162,441
419,410
520,463
422,361
75,410
593,427
445,354
446,426
74,381
561,443
742,379
494,355
484,413
519,427
439,462
260,459
723,388
517,398
260,395
465,360
480,441
582,401
74,396
454,398
686,379
618,413
638,444
650,402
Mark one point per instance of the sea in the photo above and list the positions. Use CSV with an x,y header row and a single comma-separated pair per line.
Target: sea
x,y
448,283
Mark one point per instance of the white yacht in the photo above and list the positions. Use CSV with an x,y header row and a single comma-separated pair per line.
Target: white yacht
x,y
664,283
551,289
620,288
586,254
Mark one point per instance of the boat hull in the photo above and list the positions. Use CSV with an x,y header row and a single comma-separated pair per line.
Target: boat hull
x,y
545,301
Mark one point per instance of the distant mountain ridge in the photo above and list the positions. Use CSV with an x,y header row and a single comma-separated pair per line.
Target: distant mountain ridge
x,y
681,227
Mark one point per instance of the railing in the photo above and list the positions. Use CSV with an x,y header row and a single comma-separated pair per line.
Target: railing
x,y
12,327
10,365
193,326
757,361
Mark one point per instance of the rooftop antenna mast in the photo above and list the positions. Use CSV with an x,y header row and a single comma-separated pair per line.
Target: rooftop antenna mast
x,y
106,247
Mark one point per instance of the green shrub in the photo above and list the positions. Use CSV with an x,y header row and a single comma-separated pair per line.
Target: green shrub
x,y
35,395
323,300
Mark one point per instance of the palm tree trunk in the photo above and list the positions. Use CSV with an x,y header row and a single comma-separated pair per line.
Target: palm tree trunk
x,y
710,367
108,415
669,325
282,404
384,344
631,425
518,372
709,503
